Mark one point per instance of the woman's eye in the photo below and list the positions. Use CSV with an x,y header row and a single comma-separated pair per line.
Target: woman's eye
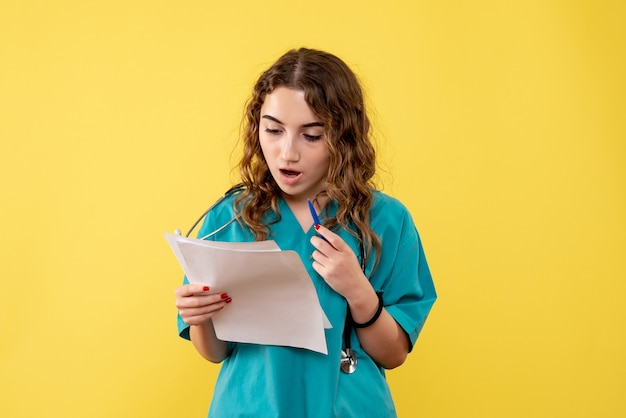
x,y
312,137
272,131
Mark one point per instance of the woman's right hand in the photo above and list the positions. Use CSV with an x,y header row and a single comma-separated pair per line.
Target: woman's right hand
x,y
197,305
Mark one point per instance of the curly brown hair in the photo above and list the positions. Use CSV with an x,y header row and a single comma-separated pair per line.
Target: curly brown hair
x,y
334,94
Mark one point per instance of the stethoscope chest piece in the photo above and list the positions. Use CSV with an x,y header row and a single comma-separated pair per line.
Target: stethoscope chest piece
x,y
348,360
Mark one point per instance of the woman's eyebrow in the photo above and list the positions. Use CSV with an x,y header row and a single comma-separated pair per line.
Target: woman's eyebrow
x,y
272,118
306,125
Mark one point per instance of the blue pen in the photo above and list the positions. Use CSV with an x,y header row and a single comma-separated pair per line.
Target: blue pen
x,y
316,220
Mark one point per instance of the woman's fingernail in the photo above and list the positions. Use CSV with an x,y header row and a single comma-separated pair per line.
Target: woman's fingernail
x,y
205,288
317,227
224,296
228,300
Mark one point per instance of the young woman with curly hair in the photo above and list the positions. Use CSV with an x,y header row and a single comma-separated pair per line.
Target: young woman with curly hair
x,y
306,136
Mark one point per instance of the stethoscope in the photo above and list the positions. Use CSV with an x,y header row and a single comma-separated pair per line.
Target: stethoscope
x,y
230,191
348,360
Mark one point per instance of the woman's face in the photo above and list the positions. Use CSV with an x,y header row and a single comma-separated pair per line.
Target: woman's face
x,y
292,141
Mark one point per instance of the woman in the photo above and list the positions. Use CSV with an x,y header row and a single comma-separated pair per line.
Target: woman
x,y
306,136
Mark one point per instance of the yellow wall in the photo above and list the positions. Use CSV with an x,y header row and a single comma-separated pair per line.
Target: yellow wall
x,y
500,125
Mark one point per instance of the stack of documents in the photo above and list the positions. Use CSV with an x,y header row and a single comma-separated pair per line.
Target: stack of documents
x,y
273,299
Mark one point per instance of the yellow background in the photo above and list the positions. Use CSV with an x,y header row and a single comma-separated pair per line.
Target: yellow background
x,y
501,125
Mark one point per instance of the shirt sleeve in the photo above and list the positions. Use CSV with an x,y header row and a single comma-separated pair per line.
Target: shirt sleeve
x,y
405,279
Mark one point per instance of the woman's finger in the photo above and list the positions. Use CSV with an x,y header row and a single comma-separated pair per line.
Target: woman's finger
x,y
201,300
191,289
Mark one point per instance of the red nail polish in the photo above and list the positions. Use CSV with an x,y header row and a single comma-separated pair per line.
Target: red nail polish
x,y
205,288
228,300
224,296
317,227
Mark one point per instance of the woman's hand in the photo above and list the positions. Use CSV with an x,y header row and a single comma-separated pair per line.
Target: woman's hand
x,y
336,262
197,305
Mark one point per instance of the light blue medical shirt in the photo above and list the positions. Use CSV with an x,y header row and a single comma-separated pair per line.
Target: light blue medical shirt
x,y
271,381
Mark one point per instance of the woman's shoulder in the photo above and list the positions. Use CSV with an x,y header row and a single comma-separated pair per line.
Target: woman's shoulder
x,y
390,215
219,215
385,204
227,201
224,206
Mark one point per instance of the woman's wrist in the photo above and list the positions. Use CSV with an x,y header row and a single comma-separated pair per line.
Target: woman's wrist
x,y
364,306
374,318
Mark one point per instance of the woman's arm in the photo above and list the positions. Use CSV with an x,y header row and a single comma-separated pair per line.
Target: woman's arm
x,y
196,306
385,341
207,344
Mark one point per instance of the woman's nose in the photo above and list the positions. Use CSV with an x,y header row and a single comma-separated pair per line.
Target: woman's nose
x,y
290,151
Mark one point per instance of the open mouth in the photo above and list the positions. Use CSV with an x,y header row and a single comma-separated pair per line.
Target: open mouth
x,y
289,173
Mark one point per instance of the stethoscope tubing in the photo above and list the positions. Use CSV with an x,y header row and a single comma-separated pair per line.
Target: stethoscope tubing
x,y
206,212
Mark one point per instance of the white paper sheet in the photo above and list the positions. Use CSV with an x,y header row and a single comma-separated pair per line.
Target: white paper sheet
x,y
273,299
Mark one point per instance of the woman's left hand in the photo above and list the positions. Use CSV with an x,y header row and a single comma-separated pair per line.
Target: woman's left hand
x,y
337,263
